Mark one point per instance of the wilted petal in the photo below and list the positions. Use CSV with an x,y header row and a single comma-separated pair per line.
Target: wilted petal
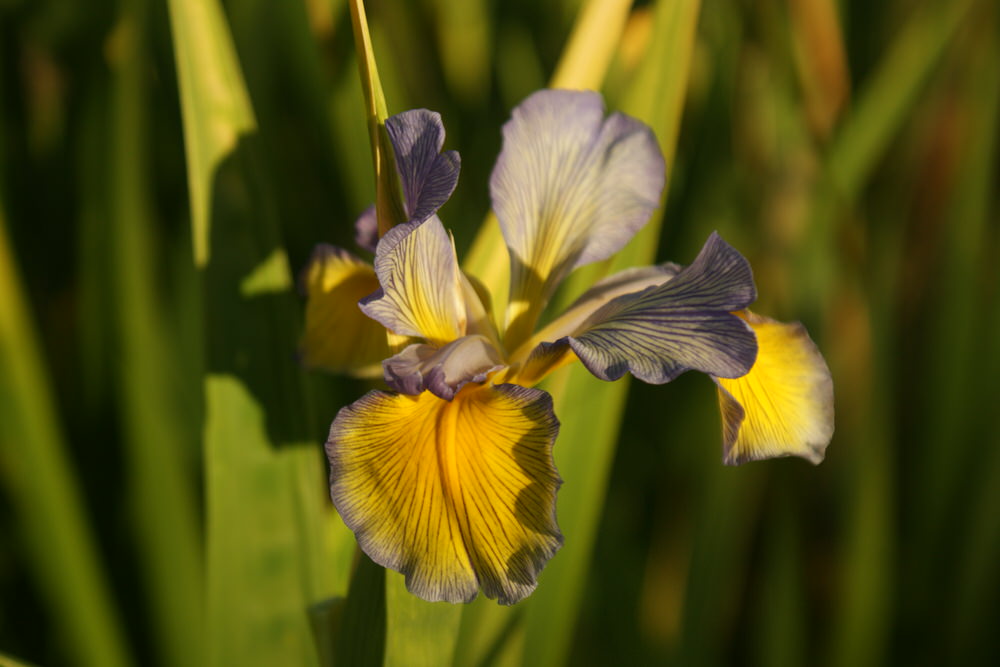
x,y
421,287
456,495
570,186
366,229
428,176
442,371
685,323
784,405
338,337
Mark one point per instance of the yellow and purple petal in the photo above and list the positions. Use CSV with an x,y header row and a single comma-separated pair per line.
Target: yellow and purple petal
x,y
442,371
420,291
784,405
457,495
684,324
338,337
427,175
570,187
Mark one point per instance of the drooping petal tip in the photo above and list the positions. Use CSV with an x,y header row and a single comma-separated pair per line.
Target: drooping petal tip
x,y
442,371
784,405
455,495
366,230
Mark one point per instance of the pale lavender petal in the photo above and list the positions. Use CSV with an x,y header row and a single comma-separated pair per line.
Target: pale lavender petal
x,y
627,281
442,371
571,186
366,230
421,286
685,323
428,176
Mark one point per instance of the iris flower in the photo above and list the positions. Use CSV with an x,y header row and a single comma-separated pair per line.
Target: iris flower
x,y
449,478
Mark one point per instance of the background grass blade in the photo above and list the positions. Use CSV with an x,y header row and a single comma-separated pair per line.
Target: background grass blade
x,y
162,490
39,482
265,568
214,105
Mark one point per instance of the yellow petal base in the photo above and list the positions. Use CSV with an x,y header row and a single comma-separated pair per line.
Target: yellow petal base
x,y
784,405
338,337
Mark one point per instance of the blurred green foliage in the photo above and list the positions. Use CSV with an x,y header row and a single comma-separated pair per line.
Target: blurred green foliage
x,y
162,494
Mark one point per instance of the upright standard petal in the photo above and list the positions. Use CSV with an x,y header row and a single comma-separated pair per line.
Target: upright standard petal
x,y
784,405
428,176
421,286
456,495
338,337
570,187
442,371
684,324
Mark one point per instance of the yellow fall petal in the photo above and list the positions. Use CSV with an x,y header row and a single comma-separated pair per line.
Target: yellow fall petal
x,y
784,405
338,337
457,495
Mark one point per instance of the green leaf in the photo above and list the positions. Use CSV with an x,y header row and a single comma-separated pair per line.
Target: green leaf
x,y
162,488
388,205
38,480
885,101
265,487
215,107
419,633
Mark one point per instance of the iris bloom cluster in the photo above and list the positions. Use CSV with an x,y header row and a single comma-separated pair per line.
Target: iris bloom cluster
x,y
449,478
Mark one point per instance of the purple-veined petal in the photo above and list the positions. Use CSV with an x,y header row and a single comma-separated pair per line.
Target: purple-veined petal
x,y
685,323
627,281
338,337
366,230
456,495
570,187
538,357
421,287
428,176
442,371
784,405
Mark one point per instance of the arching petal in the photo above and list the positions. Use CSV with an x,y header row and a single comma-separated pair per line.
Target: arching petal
x,y
428,176
570,187
421,286
538,357
456,495
338,337
784,405
624,282
684,324
442,371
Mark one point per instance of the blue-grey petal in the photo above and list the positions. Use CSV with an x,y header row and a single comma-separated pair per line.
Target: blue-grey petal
x,y
428,176
442,371
685,323
366,230
627,281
